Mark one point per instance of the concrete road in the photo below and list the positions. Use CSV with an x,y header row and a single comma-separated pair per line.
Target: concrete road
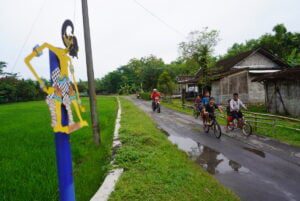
x,y
256,169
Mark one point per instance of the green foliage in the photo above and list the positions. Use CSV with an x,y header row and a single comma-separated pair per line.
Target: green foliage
x,y
27,152
82,87
155,169
137,75
13,89
200,47
282,43
165,83
145,95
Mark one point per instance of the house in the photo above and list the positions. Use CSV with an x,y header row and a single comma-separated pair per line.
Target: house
x,y
282,91
188,84
234,74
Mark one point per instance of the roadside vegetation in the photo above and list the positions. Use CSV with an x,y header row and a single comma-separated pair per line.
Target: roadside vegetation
x,y
27,152
265,126
155,169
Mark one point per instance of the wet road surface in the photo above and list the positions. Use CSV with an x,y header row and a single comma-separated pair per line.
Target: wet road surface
x,y
254,174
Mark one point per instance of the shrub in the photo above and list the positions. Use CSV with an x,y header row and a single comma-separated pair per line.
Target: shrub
x,y
145,95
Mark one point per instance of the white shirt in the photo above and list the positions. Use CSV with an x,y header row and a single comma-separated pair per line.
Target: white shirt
x,y
236,105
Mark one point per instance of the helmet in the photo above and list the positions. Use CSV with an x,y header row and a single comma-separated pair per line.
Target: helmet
x,y
154,89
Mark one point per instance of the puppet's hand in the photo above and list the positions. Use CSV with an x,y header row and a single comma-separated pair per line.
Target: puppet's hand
x,y
37,51
49,90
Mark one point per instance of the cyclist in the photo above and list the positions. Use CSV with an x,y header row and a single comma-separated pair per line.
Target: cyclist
x,y
229,115
205,98
209,110
235,107
198,103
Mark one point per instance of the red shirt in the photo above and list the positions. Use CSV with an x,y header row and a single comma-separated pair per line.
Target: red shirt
x,y
154,95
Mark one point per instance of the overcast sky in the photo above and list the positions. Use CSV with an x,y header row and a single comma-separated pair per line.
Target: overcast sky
x,y
121,29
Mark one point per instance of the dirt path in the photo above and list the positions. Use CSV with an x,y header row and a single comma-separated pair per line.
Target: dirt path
x,y
255,168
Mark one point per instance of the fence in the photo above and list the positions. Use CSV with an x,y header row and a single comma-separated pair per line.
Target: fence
x,y
266,121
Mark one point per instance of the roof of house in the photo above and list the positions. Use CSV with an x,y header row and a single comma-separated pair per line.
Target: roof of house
x,y
227,64
286,74
183,79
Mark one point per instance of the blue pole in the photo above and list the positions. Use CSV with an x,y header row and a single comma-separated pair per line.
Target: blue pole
x,y
63,151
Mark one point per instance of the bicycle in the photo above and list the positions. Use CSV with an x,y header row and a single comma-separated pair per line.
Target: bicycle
x,y
240,124
214,125
196,112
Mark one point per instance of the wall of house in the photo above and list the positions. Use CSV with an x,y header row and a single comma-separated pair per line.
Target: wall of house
x,y
290,93
256,91
223,89
215,91
256,60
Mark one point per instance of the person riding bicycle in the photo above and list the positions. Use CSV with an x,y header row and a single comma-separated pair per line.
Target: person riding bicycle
x,y
155,94
229,115
209,109
205,98
235,107
198,103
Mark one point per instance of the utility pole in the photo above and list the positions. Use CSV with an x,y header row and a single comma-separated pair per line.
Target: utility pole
x,y
90,73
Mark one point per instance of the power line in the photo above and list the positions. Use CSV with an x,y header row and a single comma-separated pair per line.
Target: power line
x,y
28,35
159,19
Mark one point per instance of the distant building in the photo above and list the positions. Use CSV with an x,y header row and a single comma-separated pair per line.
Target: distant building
x,y
282,91
234,74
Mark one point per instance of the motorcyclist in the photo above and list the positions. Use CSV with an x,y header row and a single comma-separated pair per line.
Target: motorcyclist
x,y
154,95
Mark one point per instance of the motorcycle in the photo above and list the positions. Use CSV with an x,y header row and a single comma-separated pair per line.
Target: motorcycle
x,y
156,105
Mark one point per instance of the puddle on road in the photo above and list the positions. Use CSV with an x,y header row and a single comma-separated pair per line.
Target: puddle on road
x,y
255,151
211,160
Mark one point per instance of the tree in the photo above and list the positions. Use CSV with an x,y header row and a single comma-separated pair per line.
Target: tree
x,y
8,89
165,83
199,48
282,43
152,68
83,87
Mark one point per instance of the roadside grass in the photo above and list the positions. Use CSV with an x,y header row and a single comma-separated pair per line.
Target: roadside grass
x,y
155,169
285,135
27,152
176,105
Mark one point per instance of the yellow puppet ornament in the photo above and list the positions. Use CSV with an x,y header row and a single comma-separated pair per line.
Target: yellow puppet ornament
x,y
61,93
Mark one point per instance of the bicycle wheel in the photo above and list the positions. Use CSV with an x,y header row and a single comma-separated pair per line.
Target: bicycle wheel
x,y
247,129
217,130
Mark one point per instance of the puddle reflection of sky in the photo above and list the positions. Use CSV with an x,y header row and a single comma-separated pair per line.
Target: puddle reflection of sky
x,y
211,160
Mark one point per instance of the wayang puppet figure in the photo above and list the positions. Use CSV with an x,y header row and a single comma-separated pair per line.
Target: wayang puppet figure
x,y
61,95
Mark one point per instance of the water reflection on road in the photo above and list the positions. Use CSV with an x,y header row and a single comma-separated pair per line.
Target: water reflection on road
x,y
211,160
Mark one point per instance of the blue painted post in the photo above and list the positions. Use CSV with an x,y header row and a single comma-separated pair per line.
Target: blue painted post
x,y
63,151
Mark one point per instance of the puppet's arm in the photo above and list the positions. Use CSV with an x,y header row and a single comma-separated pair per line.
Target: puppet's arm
x,y
35,53
76,87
